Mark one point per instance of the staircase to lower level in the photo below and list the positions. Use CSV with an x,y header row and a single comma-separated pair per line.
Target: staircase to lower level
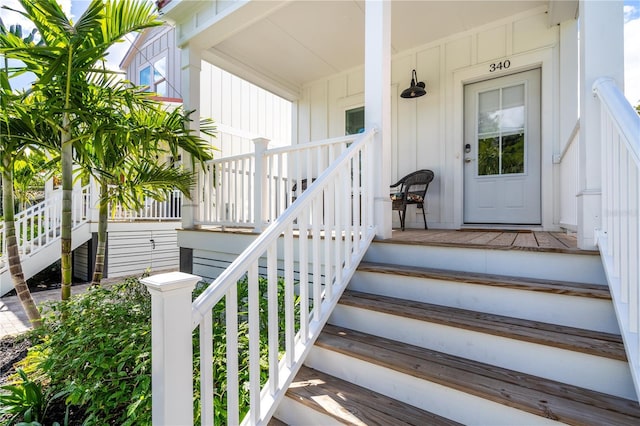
x,y
42,255
459,335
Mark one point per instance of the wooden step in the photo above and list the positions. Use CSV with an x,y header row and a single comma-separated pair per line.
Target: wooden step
x,y
576,267
354,405
530,284
541,397
586,341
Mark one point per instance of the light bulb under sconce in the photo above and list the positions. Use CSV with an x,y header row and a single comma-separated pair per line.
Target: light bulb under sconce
x,y
416,89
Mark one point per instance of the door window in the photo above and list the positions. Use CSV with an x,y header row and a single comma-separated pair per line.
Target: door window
x,y
501,131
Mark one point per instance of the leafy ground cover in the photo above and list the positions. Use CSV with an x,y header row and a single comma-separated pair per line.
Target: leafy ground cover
x,y
90,363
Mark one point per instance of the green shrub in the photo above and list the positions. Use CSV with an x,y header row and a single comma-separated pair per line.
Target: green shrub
x,y
96,349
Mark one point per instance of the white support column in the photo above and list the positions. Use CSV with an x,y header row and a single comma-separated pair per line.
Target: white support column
x,y
601,55
377,105
260,200
171,346
190,73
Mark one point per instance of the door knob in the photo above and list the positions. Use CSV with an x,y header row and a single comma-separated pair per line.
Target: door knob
x,y
468,160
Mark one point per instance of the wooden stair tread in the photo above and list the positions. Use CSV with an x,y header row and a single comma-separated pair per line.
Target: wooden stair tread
x,y
354,405
586,341
542,397
531,284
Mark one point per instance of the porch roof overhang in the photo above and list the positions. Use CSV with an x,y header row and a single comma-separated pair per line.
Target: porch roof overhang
x,y
282,45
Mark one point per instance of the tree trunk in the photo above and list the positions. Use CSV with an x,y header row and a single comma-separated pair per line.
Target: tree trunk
x,y
67,194
13,254
98,269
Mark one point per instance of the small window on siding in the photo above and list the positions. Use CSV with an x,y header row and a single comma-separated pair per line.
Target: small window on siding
x,y
145,77
154,77
354,121
160,76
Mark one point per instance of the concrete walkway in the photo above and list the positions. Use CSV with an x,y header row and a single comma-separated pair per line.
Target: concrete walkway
x,y
14,321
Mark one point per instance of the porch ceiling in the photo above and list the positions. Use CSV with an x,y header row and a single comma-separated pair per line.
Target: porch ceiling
x,y
291,43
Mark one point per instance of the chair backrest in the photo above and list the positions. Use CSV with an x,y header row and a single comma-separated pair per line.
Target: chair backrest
x,y
415,183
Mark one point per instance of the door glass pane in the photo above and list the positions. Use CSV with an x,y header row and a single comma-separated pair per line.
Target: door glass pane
x,y
489,112
489,156
501,131
512,154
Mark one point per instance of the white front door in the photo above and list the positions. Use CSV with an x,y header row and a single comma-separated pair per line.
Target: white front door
x,y
502,150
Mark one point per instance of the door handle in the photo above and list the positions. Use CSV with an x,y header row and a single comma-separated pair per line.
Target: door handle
x,y
153,242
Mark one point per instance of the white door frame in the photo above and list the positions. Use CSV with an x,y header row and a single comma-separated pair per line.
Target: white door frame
x,y
549,144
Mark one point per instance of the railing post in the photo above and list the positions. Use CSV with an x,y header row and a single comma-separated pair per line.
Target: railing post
x,y
260,184
172,350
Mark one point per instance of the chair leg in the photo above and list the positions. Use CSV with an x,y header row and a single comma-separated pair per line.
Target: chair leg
x,y
424,216
403,216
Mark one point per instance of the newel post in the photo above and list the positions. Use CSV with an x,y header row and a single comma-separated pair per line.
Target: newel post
x,y
171,348
260,200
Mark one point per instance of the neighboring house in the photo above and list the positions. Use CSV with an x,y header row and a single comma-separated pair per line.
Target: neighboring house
x,y
520,133
241,111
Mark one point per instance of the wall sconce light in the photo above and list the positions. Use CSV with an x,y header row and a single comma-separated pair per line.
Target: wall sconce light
x,y
416,89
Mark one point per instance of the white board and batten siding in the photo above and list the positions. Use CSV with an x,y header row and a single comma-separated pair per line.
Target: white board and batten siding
x,y
427,132
245,108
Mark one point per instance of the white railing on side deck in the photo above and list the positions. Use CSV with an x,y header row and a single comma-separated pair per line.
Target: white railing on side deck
x,y
39,225
252,190
334,222
168,209
619,238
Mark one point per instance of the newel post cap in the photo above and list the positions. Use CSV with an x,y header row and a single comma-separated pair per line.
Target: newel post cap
x,y
170,281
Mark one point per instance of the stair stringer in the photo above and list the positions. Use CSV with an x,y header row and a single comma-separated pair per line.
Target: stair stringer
x,y
45,256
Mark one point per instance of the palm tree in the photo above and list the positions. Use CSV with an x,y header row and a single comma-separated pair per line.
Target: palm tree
x,y
63,64
129,137
16,135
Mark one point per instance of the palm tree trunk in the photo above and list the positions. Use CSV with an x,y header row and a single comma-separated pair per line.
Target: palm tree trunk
x,y
67,194
13,255
102,235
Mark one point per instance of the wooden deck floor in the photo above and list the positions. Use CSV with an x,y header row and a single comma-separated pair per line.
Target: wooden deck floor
x,y
558,242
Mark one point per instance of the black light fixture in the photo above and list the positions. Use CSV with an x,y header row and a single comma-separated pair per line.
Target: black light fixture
x,y
416,90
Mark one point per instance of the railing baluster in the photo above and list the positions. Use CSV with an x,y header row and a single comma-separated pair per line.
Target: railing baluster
x,y
206,369
233,387
272,302
303,248
316,258
328,239
289,307
254,343
633,276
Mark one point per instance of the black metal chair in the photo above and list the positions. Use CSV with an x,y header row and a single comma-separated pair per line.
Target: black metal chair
x,y
412,189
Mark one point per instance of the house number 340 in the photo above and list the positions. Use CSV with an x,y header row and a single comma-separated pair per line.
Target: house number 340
x,y
502,65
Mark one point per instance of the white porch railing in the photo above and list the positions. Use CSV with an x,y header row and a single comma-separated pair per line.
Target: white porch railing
x,y
619,238
252,190
334,219
39,225
168,209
